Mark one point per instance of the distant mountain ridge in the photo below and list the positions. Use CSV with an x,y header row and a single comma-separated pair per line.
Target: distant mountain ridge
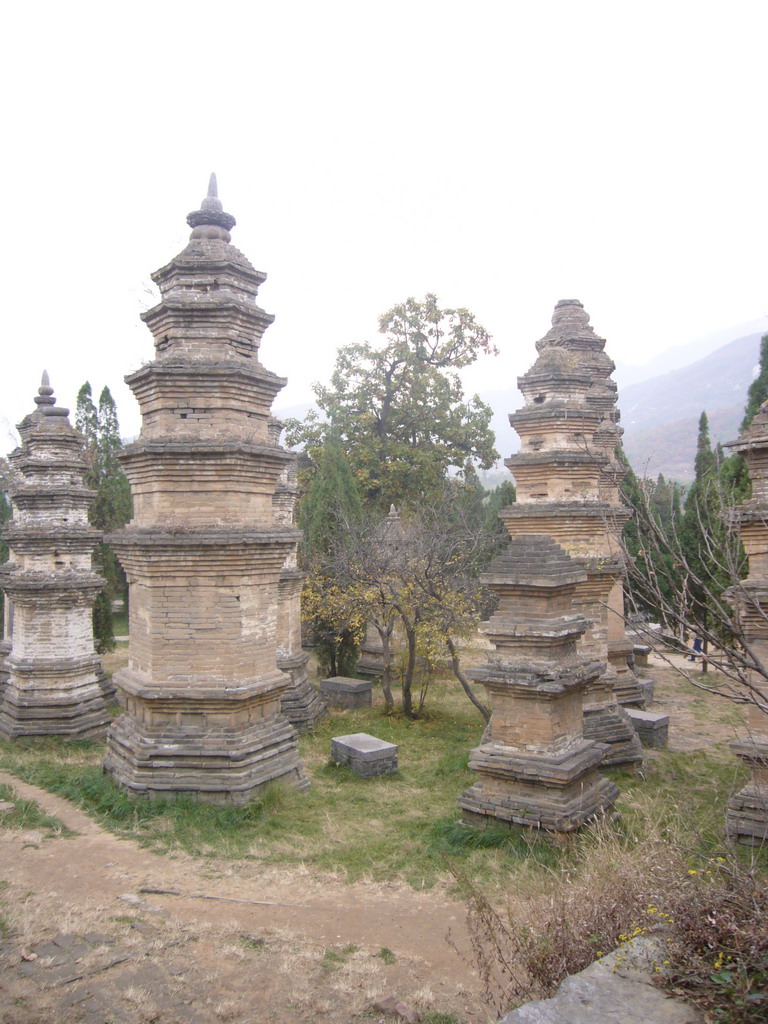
x,y
679,356
660,416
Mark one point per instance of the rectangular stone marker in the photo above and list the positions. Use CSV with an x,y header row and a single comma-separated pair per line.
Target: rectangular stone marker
x,y
364,754
344,692
641,653
652,729
646,688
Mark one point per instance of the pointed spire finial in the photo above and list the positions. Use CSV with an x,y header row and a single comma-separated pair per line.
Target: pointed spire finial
x,y
210,221
45,401
44,392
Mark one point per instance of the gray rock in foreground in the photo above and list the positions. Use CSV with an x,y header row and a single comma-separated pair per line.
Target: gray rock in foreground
x,y
618,989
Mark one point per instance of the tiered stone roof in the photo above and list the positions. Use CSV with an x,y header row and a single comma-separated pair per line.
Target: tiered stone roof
x,y
567,476
301,703
55,685
747,817
537,769
204,553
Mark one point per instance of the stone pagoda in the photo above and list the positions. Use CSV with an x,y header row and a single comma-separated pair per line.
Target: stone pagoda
x,y
537,769
203,553
747,818
301,704
54,683
567,478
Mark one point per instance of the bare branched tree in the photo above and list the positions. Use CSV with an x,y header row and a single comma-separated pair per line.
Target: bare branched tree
x,y
416,577
698,591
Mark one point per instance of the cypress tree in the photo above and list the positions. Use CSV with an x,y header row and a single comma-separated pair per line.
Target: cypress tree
x,y
87,422
332,496
332,499
734,475
112,506
758,389
705,460
703,537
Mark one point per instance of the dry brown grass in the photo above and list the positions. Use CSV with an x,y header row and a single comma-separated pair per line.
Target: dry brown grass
x,y
619,888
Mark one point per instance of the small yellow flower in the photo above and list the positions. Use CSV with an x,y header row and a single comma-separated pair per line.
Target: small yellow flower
x,y
691,871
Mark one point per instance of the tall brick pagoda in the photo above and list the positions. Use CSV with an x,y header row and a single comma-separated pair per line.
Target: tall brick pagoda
x,y
537,769
54,682
301,704
747,817
567,478
203,553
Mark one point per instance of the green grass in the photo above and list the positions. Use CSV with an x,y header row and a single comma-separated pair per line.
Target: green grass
x,y
120,623
682,792
28,815
336,956
401,827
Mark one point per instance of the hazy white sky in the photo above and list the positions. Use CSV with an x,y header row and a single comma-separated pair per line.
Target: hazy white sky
x,y
501,154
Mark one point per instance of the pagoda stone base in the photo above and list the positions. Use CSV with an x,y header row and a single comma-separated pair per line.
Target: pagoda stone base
x,y
554,791
626,686
611,726
370,664
213,744
107,687
5,650
66,697
629,692
747,816
300,703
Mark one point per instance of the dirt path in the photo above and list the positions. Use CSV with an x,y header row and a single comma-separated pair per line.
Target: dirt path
x,y
697,719
88,947
314,956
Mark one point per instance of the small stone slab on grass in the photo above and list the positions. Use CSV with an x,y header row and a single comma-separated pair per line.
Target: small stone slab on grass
x,y
345,692
652,729
364,754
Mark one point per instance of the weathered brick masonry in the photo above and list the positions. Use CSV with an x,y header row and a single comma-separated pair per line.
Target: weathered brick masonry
x,y
567,478
747,818
301,704
537,769
54,684
204,553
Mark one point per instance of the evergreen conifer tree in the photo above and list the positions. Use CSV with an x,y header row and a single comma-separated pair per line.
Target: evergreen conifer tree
x,y
112,505
332,496
734,475
87,422
332,501
758,389
703,537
